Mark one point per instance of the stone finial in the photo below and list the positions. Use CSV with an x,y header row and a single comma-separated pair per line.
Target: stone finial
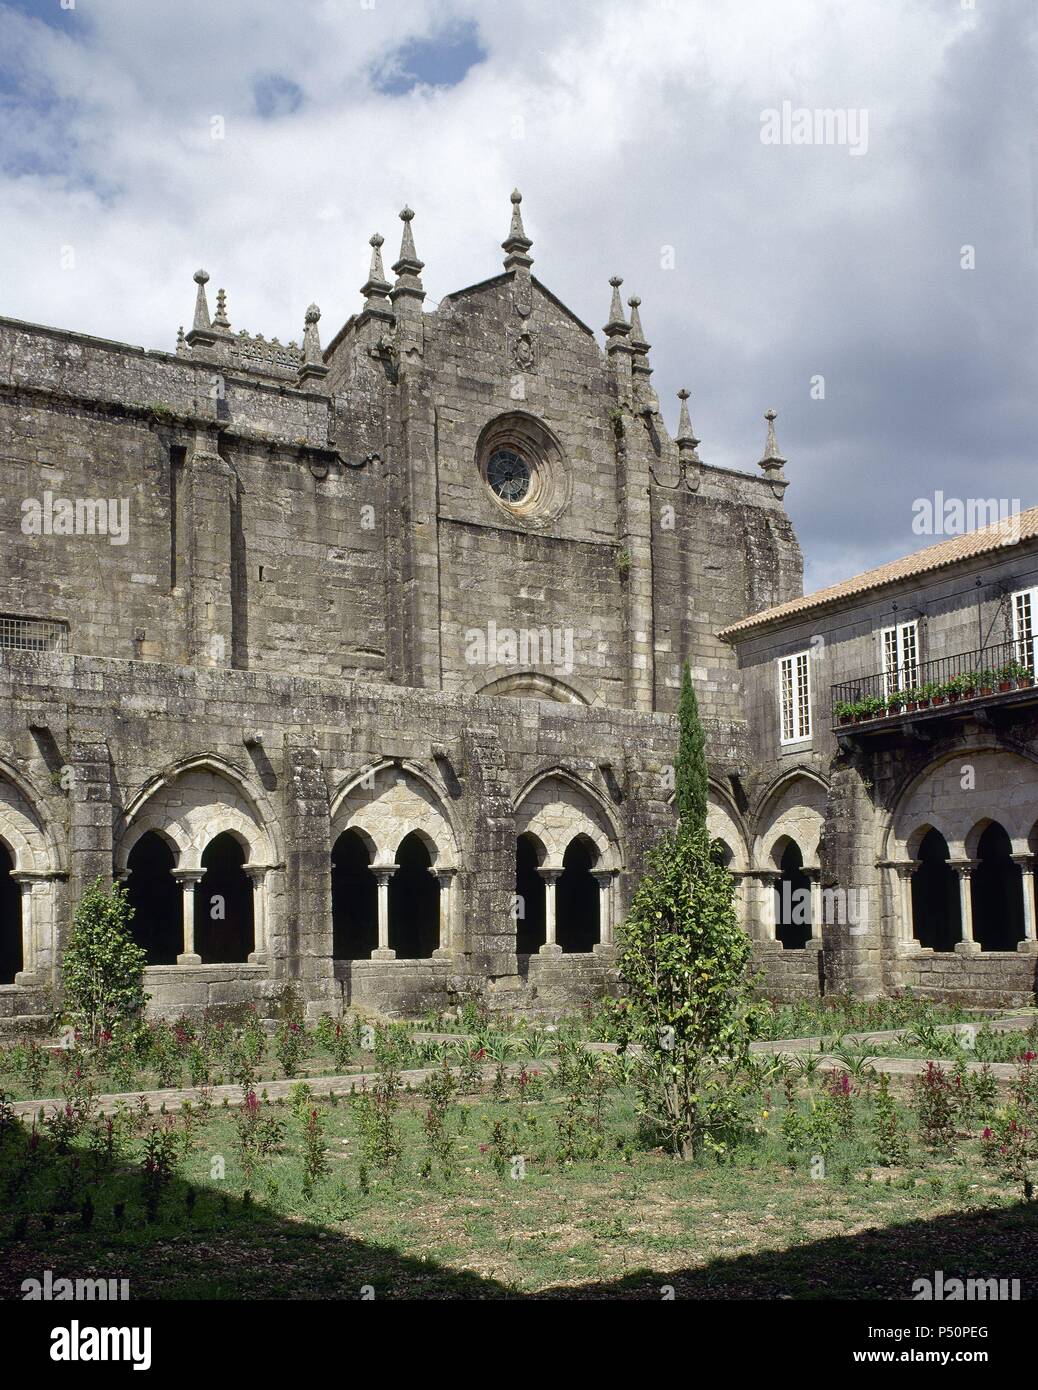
x,y
313,367
617,327
201,321
772,462
688,446
201,333
376,287
637,333
408,267
221,320
685,438
408,255
517,243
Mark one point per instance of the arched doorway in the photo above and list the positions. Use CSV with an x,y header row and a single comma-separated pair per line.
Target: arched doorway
x,y
414,902
529,892
354,899
792,900
998,904
10,919
577,899
936,910
224,927
154,894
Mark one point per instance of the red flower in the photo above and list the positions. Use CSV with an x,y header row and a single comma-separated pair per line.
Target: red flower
x,y
986,1134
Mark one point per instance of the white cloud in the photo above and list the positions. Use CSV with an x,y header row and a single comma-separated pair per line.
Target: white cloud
x,y
630,125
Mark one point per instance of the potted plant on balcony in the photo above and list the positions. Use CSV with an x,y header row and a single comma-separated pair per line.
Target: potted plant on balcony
x,y
871,708
1024,676
845,710
895,700
911,698
955,688
1005,678
986,681
968,684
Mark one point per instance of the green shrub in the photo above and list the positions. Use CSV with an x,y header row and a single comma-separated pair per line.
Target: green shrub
x,y
103,967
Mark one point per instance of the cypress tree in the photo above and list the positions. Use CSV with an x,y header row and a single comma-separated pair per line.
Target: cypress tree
x,y
690,785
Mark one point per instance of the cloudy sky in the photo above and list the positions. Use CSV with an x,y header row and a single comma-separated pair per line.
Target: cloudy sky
x,y
266,141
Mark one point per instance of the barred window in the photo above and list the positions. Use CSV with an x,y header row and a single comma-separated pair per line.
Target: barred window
x,y
795,697
32,634
900,657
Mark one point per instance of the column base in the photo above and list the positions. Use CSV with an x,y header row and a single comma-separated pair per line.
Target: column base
x,y
189,960
550,949
29,979
383,954
604,948
967,948
443,953
257,958
1027,948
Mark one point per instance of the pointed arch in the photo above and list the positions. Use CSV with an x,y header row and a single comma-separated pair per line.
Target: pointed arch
x,y
957,794
793,806
724,823
388,801
555,807
193,801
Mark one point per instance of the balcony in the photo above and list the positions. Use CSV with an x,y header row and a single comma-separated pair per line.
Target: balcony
x,y
971,684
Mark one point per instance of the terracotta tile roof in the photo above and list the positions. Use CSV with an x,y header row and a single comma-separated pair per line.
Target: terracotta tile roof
x,y
1014,529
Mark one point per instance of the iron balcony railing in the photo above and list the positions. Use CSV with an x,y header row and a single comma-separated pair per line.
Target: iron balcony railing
x,y
929,685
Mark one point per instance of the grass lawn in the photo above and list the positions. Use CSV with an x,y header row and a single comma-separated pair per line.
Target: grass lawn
x,y
593,1210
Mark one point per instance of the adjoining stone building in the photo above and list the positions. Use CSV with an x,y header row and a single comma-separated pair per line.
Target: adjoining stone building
x,y
359,665
890,841
334,655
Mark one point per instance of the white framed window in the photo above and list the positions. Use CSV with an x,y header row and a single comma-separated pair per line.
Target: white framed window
x,y
1025,626
795,697
900,657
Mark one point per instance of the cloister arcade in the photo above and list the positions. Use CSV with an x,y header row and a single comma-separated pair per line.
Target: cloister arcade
x,y
960,852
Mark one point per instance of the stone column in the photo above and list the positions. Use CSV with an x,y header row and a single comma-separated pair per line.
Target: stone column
x,y
445,879
1026,862
906,920
604,879
188,878
383,873
27,974
258,874
815,876
551,877
769,916
964,868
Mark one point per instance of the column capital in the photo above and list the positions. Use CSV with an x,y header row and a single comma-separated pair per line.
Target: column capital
x,y
550,875
1025,860
256,871
905,868
187,875
963,867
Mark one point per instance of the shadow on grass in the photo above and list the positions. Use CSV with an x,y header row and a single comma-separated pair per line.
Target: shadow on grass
x,y
207,1245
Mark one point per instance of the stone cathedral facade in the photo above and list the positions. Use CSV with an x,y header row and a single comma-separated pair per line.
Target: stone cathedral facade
x,y
358,665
